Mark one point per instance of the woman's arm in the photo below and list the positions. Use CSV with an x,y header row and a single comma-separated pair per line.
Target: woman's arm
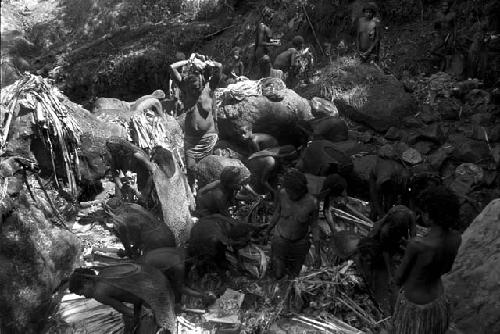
x,y
176,76
406,264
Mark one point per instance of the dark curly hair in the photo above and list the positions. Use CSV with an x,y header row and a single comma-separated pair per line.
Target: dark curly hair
x,y
442,206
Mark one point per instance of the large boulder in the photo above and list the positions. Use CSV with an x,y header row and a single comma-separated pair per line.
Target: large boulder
x,y
472,285
263,115
209,168
36,254
364,94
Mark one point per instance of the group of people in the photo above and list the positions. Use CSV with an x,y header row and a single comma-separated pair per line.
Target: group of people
x,y
299,181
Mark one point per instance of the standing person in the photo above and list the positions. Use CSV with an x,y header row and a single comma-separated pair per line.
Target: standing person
x,y
369,34
267,70
296,215
200,133
263,35
288,61
422,306
444,26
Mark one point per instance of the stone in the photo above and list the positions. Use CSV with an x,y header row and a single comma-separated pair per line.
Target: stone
x,y
472,284
437,158
424,146
362,167
321,108
393,134
449,109
477,97
329,128
209,168
495,152
470,171
483,119
412,156
428,115
494,134
364,94
412,122
472,151
265,116
433,132
350,147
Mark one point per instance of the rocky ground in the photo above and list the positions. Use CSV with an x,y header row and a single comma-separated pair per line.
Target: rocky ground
x,y
433,121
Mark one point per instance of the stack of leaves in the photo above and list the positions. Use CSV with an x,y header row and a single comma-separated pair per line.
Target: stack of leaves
x,y
51,118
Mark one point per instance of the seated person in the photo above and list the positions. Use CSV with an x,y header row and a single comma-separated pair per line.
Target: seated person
x,y
258,141
219,196
267,70
128,283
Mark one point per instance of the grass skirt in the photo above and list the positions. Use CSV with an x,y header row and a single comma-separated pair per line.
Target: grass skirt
x,y
411,318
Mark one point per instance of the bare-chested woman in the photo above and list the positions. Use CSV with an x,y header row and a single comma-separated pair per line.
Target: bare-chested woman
x,y
296,215
422,306
200,133
369,34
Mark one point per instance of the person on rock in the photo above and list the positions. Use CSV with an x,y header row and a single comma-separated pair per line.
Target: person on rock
x,y
288,61
265,165
200,133
295,215
369,34
267,70
128,283
219,196
322,158
421,306
258,141
172,262
234,68
263,35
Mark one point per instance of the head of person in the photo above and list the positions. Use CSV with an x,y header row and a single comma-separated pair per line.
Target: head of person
x,y
193,84
295,184
265,65
236,53
82,282
231,178
335,188
370,10
439,206
298,42
246,132
267,14
445,6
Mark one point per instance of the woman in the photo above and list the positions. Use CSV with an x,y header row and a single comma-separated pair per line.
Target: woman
x,y
422,306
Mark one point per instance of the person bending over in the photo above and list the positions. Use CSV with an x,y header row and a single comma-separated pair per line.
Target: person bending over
x,y
421,306
296,215
258,141
267,70
288,61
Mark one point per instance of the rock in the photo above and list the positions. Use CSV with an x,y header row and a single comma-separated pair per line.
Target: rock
x,y
424,146
209,168
364,94
437,158
362,167
321,108
433,132
477,132
35,254
329,128
393,134
411,156
470,171
449,109
428,115
483,119
494,134
472,151
263,115
495,152
412,122
472,285
322,158
477,97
